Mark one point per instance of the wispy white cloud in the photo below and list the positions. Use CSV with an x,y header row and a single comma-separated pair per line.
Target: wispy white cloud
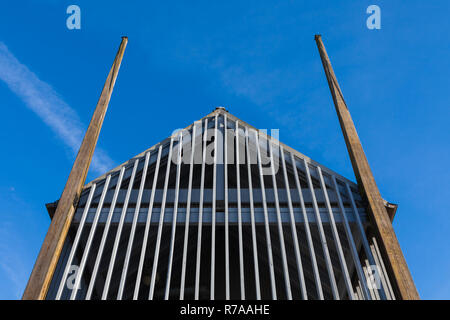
x,y
42,99
17,244
13,269
276,92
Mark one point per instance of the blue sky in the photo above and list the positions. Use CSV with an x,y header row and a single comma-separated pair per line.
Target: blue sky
x,y
257,58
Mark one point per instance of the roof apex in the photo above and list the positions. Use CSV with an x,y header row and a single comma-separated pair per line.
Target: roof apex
x,y
221,111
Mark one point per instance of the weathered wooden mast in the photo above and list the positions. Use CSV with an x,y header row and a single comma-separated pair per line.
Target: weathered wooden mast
x,y
383,227
47,259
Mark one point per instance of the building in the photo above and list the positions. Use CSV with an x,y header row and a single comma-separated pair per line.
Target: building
x,y
221,210
265,222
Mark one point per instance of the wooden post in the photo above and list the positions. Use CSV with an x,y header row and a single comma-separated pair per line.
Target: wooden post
x,y
390,247
47,259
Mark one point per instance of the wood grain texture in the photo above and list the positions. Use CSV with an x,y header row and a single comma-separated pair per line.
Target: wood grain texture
x,y
47,259
381,221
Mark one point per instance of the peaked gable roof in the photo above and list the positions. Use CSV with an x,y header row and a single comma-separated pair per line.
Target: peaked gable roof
x,y
230,117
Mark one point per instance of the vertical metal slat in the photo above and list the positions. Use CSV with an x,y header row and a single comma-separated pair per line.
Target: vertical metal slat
x,y
308,232
75,243
213,213
105,234
266,221
351,242
133,228
252,212
188,215
298,257
322,234
90,237
287,282
200,213
363,233
160,224
227,237
380,264
119,232
147,226
174,220
239,205
336,238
